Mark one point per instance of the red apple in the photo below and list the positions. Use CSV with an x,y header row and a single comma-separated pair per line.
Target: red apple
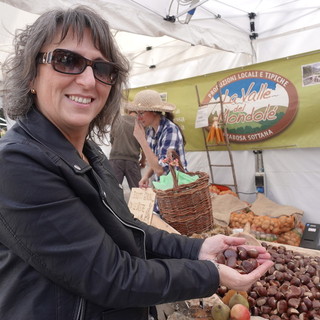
x,y
239,312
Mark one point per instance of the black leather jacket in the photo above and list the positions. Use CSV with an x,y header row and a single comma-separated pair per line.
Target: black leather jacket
x,y
69,247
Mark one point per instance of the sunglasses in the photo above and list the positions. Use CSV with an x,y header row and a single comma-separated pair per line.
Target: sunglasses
x,y
69,62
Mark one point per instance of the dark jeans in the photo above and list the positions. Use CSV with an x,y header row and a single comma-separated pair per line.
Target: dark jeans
x,y
129,169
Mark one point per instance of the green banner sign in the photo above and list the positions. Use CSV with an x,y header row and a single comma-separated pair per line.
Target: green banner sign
x,y
275,104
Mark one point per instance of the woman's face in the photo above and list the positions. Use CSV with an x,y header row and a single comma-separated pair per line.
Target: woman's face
x,y
148,118
71,102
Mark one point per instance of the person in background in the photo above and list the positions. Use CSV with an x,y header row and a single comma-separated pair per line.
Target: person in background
x,y
126,157
69,246
157,133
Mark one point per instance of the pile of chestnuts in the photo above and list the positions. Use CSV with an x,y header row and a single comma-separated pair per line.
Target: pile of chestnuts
x,y
290,290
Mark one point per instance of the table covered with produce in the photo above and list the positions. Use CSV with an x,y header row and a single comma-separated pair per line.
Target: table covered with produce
x,y
289,290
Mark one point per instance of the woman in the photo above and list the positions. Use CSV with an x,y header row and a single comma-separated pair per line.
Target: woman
x,y
161,135
69,247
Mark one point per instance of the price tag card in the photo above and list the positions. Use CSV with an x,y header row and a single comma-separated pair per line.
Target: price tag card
x,y
141,202
202,117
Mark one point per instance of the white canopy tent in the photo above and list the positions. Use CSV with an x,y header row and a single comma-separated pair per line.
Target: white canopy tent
x,y
164,43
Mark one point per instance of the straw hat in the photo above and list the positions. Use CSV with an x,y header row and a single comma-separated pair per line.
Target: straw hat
x,y
150,100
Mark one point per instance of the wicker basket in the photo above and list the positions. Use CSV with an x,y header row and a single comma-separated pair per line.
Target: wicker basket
x,y
187,207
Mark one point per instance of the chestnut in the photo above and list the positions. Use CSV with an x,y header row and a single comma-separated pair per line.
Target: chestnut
x,y
230,253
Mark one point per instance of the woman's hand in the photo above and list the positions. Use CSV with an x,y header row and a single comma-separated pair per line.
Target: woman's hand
x,y
213,245
139,132
230,277
144,183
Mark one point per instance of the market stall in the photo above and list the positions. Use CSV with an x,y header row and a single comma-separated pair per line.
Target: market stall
x,y
290,290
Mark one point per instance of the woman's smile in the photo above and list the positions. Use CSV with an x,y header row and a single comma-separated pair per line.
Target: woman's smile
x,y
79,99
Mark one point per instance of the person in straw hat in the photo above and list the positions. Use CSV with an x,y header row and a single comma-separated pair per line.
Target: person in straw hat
x,y
156,117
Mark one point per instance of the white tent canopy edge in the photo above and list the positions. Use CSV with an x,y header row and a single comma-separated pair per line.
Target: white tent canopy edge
x,y
216,38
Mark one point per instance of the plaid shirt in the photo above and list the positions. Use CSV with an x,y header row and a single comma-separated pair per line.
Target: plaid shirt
x,y
168,136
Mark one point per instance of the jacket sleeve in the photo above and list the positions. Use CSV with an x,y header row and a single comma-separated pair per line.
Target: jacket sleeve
x,y
46,224
161,244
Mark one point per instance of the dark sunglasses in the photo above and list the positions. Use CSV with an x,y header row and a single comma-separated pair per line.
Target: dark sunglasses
x,y
69,62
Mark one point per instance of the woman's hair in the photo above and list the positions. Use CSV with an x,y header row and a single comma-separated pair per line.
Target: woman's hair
x,y
170,116
20,69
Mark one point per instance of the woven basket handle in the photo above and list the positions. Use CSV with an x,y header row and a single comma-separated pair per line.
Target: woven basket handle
x,y
171,156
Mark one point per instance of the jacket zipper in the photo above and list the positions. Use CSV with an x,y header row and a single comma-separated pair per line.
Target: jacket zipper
x,y
128,225
80,312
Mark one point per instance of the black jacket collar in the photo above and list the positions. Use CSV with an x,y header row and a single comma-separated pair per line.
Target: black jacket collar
x,y
46,133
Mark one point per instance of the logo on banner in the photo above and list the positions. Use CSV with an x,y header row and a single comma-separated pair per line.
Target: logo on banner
x,y
257,105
